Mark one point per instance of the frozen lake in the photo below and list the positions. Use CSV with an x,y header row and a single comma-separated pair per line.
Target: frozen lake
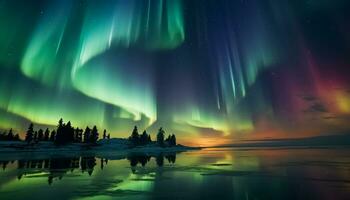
x,y
212,173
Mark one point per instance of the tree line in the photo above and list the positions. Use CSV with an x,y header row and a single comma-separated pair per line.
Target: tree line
x,y
10,136
65,133
144,139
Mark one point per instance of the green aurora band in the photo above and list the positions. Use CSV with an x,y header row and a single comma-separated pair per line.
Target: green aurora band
x,y
199,68
48,57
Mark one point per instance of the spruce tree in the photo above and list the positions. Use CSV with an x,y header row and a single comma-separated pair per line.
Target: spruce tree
x,y
59,139
10,135
87,133
167,140
29,134
94,135
69,132
53,136
40,135
80,136
135,136
149,139
160,137
46,135
35,138
144,138
173,140
76,134
104,134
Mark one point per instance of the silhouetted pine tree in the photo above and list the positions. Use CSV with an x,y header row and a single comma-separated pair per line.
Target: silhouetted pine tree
x,y
69,132
78,135
76,132
46,135
144,138
149,139
160,137
108,136
167,140
35,136
87,133
59,139
172,141
10,135
40,135
104,134
134,138
29,134
53,136
94,135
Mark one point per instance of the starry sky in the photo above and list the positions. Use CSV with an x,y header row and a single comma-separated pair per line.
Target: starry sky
x,y
212,72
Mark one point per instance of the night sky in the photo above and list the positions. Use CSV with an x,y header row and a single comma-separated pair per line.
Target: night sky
x,y
212,72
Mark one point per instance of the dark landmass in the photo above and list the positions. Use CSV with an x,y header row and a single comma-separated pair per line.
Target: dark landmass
x,y
66,138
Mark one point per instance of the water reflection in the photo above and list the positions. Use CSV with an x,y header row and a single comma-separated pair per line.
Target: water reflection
x,y
144,159
206,174
56,168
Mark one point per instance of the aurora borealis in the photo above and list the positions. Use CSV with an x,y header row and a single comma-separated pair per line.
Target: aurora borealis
x,y
210,71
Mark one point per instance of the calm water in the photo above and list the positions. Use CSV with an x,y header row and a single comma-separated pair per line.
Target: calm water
x,y
205,174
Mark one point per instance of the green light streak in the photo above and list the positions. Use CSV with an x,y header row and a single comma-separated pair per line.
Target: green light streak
x,y
42,59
